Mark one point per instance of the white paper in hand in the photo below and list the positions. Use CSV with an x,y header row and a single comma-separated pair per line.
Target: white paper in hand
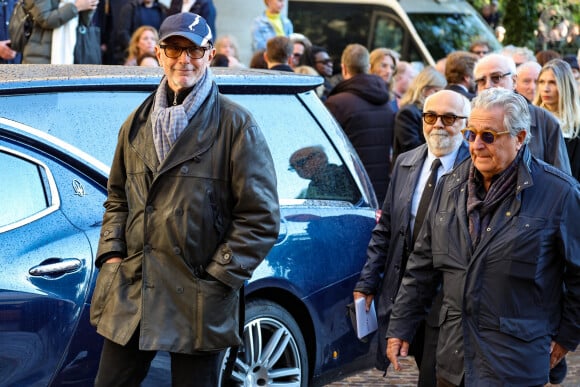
x,y
366,322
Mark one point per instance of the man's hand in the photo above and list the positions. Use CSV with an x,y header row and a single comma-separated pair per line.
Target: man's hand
x,y
396,347
6,52
368,298
557,353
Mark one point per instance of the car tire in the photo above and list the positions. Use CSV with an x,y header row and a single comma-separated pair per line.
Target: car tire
x,y
273,349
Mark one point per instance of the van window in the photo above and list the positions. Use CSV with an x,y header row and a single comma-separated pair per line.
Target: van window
x,y
388,31
444,33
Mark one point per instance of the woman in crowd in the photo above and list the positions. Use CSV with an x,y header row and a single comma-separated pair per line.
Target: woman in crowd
x,y
384,63
228,46
142,41
52,21
408,130
558,93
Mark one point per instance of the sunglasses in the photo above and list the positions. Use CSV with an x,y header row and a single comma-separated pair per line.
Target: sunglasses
x,y
494,78
325,61
300,163
447,119
174,52
487,136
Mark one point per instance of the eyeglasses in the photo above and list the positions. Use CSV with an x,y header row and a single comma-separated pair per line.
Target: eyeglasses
x,y
494,78
300,163
487,136
447,119
174,52
324,61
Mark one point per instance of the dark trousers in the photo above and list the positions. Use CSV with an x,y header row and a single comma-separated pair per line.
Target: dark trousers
x,y
127,366
424,349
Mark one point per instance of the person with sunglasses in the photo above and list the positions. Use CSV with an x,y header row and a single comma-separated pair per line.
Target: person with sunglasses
x,y
445,114
192,209
547,142
500,245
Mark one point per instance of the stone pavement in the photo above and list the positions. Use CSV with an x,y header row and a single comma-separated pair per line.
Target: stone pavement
x,y
408,376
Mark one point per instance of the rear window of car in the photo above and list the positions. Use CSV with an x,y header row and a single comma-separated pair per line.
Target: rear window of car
x,y
78,118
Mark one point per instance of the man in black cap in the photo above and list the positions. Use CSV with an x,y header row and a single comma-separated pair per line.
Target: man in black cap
x,y
192,209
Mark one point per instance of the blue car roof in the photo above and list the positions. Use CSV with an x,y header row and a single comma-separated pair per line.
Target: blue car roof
x,y
16,79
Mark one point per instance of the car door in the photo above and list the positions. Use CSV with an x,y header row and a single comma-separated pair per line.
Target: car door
x,y
46,261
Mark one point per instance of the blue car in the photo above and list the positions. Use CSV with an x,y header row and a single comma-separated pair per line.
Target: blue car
x,y
58,131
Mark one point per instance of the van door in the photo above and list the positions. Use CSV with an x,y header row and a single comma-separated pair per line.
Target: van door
x,y
387,30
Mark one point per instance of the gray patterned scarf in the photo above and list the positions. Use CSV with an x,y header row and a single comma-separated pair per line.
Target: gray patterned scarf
x,y
170,121
482,205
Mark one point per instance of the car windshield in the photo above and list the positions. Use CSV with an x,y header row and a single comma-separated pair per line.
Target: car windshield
x,y
444,33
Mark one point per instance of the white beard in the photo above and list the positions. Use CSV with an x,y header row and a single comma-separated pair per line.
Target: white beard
x,y
441,143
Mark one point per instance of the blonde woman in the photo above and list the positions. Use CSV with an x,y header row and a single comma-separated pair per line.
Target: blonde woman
x,y
384,63
557,92
408,131
143,40
228,46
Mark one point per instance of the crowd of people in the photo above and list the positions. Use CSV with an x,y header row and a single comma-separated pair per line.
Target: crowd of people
x,y
475,161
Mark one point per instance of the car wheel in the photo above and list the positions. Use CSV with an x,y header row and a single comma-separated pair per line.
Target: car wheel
x,y
273,350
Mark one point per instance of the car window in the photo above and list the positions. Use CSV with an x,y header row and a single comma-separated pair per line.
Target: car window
x,y
307,164
23,191
86,114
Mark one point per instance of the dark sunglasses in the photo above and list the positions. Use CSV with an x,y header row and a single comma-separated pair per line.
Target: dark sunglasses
x,y
300,163
487,136
494,78
174,52
447,119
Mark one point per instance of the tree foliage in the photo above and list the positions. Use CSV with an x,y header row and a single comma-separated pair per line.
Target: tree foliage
x,y
520,21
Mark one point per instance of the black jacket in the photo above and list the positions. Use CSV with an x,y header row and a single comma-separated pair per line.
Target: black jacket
x,y
361,106
204,8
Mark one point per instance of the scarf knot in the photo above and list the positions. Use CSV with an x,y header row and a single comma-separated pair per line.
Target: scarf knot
x,y
169,122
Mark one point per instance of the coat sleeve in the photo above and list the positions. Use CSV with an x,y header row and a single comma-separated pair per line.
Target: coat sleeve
x,y
255,214
112,237
378,248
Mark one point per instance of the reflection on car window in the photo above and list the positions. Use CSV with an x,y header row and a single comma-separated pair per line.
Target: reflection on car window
x,y
307,165
22,192
327,181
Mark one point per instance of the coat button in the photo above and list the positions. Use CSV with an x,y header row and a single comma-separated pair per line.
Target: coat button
x,y
184,169
176,250
149,209
227,257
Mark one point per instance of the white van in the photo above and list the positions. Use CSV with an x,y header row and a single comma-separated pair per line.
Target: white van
x,y
420,30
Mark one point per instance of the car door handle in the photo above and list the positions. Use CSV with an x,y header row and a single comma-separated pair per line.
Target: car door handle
x,y
55,266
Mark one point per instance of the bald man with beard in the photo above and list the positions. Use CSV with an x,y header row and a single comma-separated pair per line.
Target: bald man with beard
x,y
444,115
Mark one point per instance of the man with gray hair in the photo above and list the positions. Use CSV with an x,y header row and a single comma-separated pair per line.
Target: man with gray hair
x,y
360,104
506,258
547,142
527,79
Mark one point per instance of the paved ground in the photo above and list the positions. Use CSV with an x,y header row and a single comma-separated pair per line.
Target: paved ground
x,y
408,377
